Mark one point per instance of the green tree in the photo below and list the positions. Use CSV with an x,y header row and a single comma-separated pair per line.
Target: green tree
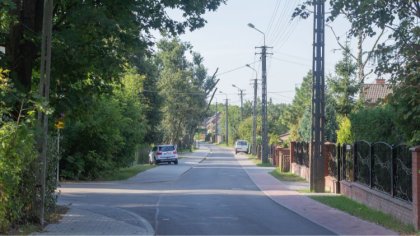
x,y
294,113
184,86
398,57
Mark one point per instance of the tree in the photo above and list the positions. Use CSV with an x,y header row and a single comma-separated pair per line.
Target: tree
x,y
398,57
343,87
184,86
301,102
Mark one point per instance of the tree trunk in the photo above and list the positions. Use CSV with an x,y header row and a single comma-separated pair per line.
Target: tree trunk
x,y
21,49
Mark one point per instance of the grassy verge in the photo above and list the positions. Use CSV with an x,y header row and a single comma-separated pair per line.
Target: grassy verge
x,y
125,173
258,162
366,213
283,176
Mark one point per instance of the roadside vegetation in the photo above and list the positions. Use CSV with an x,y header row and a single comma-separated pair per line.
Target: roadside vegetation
x,y
125,173
286,176
115,91
366,213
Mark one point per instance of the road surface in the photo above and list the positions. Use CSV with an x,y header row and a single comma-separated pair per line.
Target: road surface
x,y
208,193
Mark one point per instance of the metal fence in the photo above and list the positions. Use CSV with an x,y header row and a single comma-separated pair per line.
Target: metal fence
x,y
301,153
332,160
380,166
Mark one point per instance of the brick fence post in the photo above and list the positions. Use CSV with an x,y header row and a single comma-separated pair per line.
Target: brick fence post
x,y
415,158
292,153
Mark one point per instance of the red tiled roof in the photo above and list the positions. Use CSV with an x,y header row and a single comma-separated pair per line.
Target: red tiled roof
x,y
373,93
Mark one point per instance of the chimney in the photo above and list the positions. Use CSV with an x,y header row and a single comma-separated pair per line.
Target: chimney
x,y
380,81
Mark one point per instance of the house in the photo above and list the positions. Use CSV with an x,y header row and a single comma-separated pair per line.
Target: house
x,y
373,94
211,123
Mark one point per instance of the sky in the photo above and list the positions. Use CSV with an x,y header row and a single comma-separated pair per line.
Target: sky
x,y
227,43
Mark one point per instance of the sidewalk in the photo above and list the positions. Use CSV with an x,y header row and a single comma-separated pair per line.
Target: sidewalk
x,y
98,220
285,194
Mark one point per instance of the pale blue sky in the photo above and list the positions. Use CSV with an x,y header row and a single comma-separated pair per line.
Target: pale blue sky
x,y
227,43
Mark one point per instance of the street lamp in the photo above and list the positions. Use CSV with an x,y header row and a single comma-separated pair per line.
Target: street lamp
x,y
253,26
241,93
226,118
254,113
264,135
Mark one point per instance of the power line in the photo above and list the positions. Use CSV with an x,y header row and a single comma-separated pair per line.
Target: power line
x,y
237,68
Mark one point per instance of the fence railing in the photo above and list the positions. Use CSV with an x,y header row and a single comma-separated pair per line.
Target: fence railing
x,y
301,153
379,166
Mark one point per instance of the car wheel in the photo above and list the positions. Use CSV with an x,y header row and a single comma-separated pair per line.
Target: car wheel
x,y
176,162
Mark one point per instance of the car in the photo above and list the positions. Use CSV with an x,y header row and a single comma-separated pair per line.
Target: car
x,y
241,146
163,153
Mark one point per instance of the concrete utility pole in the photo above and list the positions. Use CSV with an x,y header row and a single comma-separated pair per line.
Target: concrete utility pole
x,y
241,94
318,98
264,149
227,118
216,123
227,122
254,113
44,92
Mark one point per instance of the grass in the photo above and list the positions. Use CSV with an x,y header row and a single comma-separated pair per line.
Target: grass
x,y
125,173
286,176
366,213
258,162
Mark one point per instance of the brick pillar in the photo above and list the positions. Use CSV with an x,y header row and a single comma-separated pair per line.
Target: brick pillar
x,y
292,154
415,158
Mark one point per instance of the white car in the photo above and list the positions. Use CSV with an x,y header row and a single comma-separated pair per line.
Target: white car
x,y
241,146
163,153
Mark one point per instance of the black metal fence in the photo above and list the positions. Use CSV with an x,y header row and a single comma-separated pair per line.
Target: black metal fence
x,y
301,153
380,166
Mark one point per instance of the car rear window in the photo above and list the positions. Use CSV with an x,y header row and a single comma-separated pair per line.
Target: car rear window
x,y
166,148
242,143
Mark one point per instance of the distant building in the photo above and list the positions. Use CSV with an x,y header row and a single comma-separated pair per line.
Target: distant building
x,y
210,124
373,94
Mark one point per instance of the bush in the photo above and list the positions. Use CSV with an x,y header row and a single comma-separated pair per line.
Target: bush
x,y
344,132
17,187
376,124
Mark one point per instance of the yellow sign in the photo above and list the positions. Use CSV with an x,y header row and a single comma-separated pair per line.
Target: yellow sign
x,y
59,124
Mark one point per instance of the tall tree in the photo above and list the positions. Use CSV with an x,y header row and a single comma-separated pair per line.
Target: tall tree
x,y
398,57
184,86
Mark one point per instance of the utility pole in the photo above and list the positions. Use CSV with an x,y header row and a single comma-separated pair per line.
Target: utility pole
x,y
263,53
227,123
241,93
318,98
216,122
254,113
226,118
44,92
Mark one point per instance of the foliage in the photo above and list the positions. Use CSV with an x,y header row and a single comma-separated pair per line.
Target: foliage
x,y
305,126
376,124
295,112
398,57
343,87
184,86
104,135
245,129
17,153
344,132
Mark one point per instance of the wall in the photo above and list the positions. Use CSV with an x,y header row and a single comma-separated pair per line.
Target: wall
x,y
399,209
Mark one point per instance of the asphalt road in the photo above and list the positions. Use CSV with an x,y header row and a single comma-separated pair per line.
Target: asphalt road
x,y
211,197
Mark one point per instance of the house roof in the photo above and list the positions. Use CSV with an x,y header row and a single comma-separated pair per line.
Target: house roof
x,y
374,93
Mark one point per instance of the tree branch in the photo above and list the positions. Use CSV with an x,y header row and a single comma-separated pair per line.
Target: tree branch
x,y
373,47
339,43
